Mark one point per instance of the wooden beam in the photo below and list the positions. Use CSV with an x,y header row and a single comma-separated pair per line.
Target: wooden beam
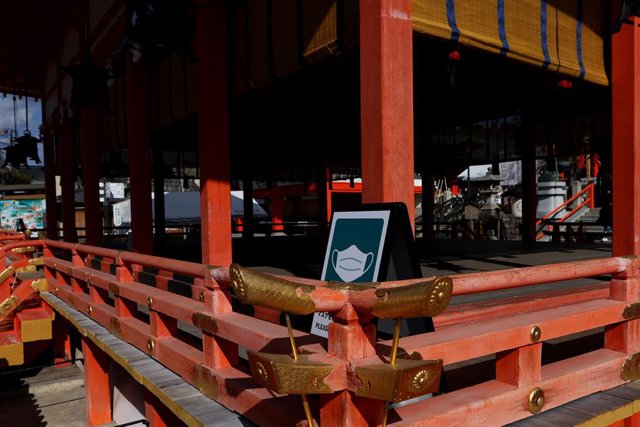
x,y
386,83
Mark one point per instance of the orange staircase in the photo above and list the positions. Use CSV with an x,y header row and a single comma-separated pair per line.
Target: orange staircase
x,y
24,318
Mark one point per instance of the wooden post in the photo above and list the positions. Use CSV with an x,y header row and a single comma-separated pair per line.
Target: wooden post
x,y
158,191
386,82
90,175
213,133
50,179
137,101
529,184
156,413
625,94
62,355
348,340
521,366
67,181
247,206
96,382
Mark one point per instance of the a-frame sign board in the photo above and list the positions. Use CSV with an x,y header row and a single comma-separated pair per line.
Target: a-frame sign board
x,y
374,243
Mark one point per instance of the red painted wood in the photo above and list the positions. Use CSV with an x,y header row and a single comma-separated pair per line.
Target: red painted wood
x,y
461,342
137,100
496,403
157,414
625,93
61,342
90,175
96,380
471,312
213,131
386,87
520,366
345,409
623,337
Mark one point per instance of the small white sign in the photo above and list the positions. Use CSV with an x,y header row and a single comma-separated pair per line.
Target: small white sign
x,y
116,190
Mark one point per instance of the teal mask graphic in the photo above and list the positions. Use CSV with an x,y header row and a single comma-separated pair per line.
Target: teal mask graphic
x,y
354,250
351,263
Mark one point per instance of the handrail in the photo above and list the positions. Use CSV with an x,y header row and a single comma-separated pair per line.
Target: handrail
x,y
588,201
350,357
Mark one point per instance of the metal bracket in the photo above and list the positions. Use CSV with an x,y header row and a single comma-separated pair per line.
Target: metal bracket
x,y
631,368
204,322
404,380
631,311
285,375
8,305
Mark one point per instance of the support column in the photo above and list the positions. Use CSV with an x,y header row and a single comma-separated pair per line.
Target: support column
x,y
158,196
386,83
213,133
137,99
90,175
48,143
96,381
529,184
67,181
625,87
247,206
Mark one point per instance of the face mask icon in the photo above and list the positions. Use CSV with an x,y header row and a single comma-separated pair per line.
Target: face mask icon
x,y
351,263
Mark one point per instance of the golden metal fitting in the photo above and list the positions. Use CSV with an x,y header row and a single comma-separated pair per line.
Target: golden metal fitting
x,y
88,278
428,298
89,310
205,322
283,374
114,326
535,333
8,305
206,382
201,297
632,311
252,287
23,249
40,285
27,269
536,400
631,368
404,380
150,302
151,345
36,261
6,273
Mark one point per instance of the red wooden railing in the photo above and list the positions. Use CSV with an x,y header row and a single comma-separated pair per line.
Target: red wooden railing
x,y
589,199
509,333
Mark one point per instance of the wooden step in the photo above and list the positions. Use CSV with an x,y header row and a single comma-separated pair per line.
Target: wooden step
x,y
11,350
34,324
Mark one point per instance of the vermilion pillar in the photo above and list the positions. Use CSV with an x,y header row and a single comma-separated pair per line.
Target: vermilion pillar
x,y
625,113
90,174
213,133
386,84
96,380
50,180
137,99
67,156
